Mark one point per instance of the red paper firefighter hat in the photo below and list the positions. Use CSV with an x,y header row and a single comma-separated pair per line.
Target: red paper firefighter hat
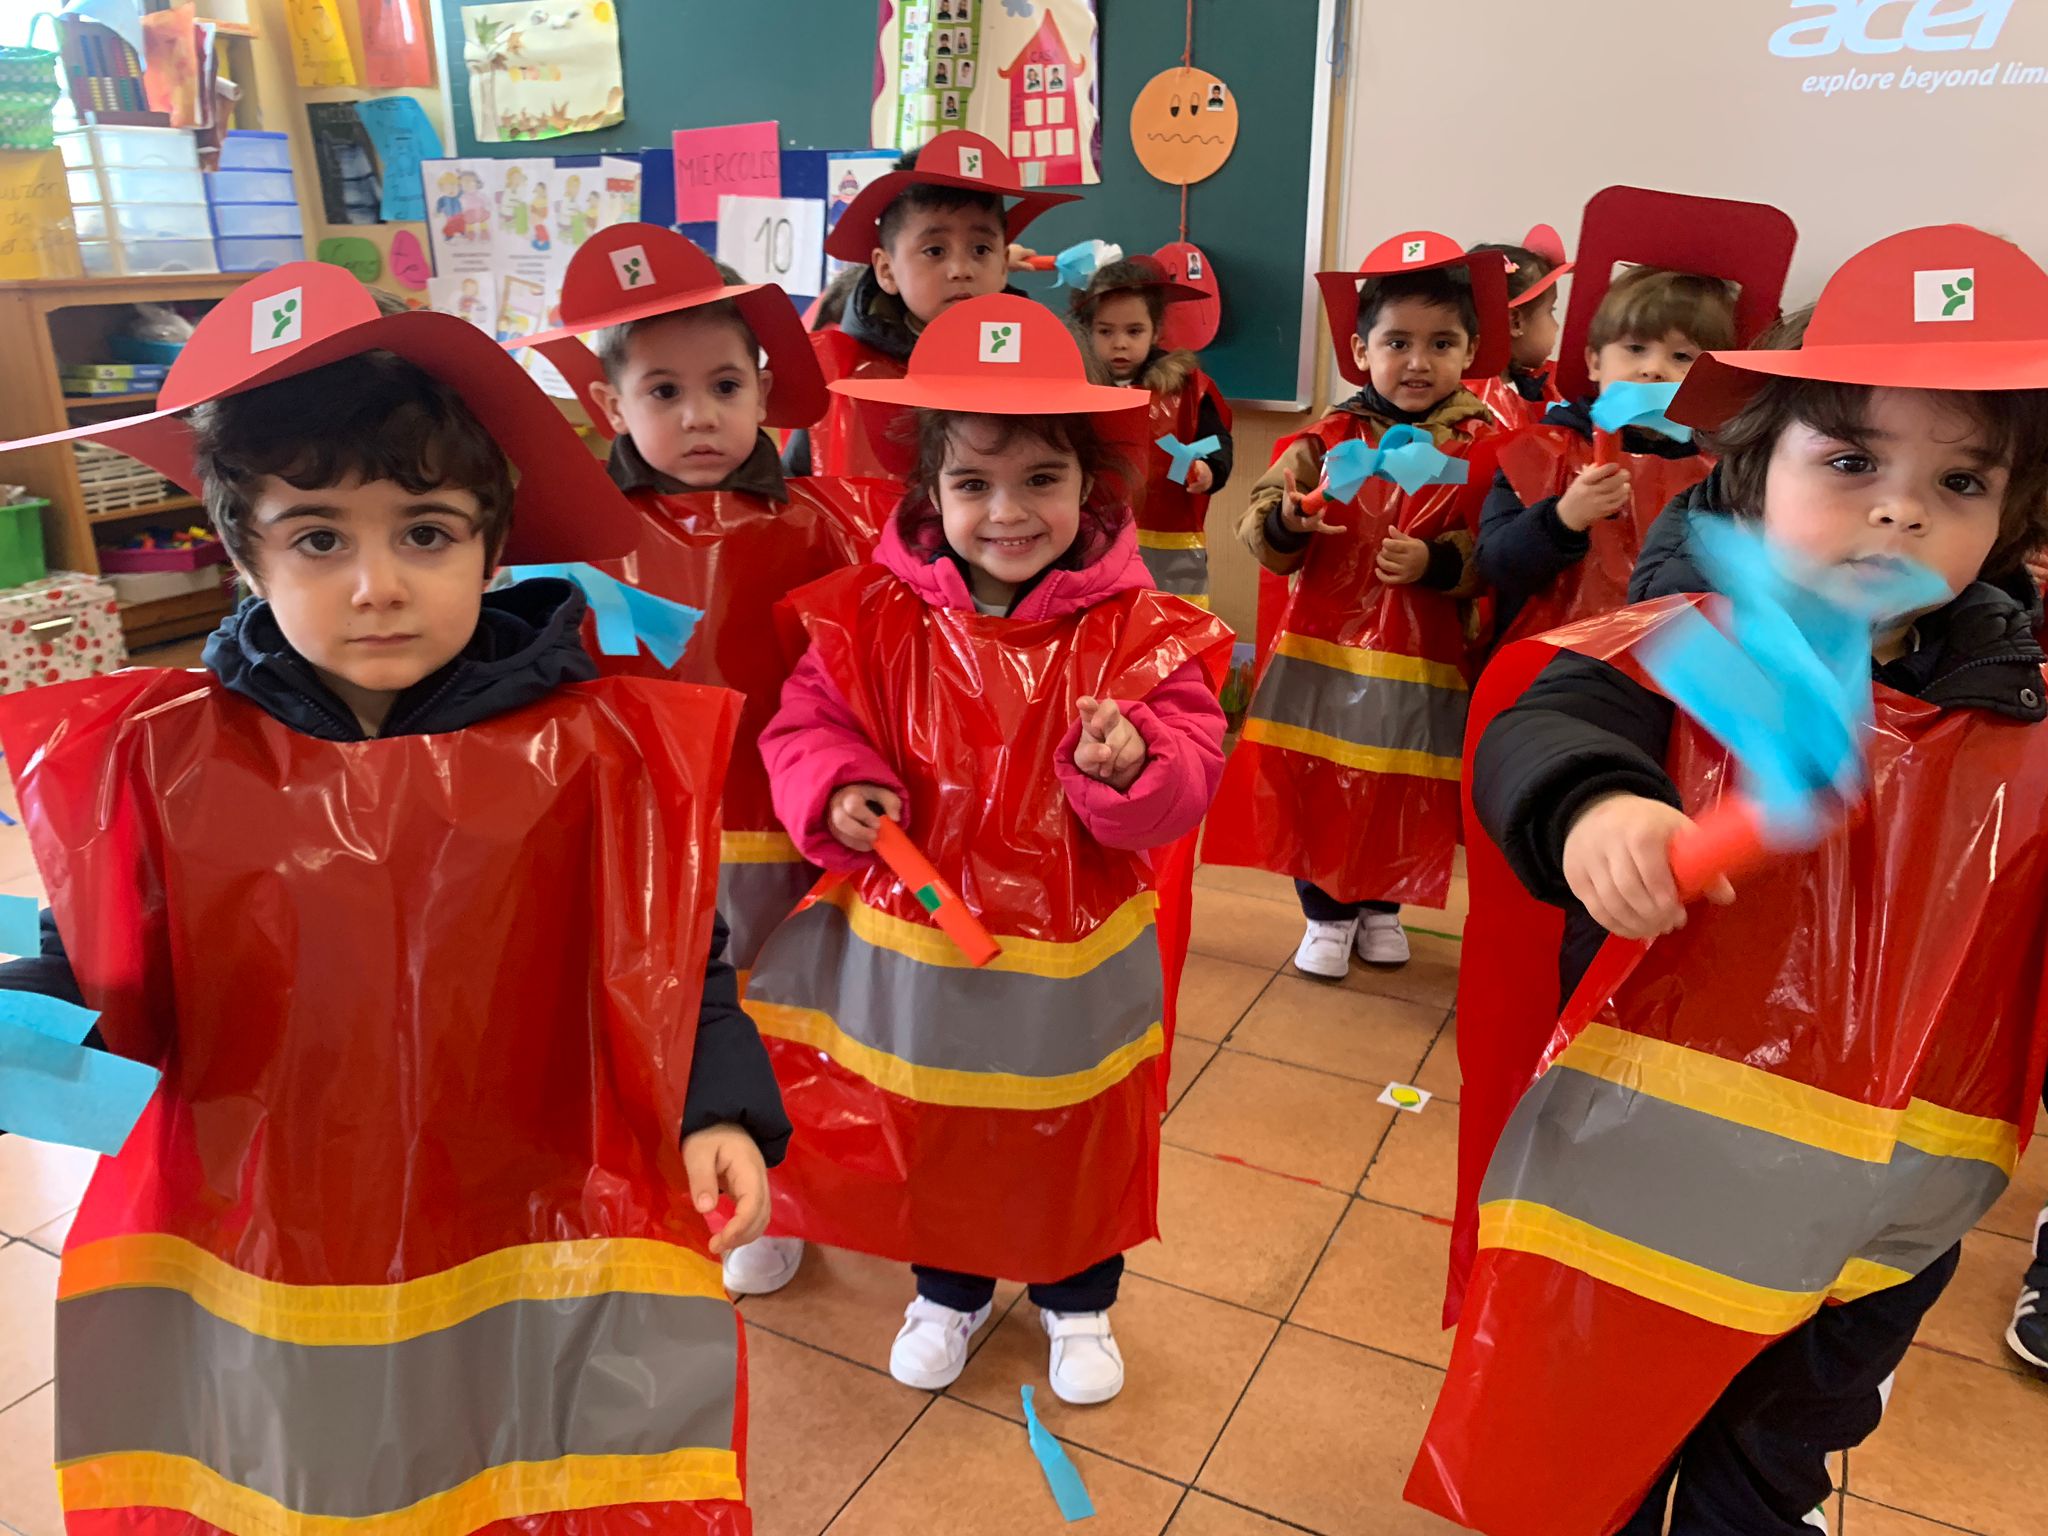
x,y
307,314
1543,241
999,355
1192,325
955,158
1422,250
1944,307
1749,244
1138,273
637,271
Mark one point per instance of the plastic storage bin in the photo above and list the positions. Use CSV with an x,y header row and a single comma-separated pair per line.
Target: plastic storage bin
x,y
141,148
123,184
186,557
142,221
251,187
259,255
21,543
247,150
146,258
246,221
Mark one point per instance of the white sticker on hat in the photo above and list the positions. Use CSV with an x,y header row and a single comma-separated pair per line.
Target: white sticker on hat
x,y
970,162
1000,342
277,321
1414,250
629,263
1945,295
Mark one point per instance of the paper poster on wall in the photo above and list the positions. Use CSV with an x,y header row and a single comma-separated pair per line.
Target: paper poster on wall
x,y
846,176
736,160
621,203
397,44
350,192
464,294
773,240
320,53
1184,125
540,69
403,138
1022,72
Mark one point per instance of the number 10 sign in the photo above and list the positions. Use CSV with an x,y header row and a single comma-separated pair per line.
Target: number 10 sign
x,y
774,240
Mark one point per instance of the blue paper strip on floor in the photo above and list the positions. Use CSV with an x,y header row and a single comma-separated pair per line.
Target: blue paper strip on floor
x,y
1068,1491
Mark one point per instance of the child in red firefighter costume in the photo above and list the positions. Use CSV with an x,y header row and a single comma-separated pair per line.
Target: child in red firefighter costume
x,y
1119,315
1706,1234
935,231
406,1236
1346,776
1565,519
1519,396
1004,681
678,378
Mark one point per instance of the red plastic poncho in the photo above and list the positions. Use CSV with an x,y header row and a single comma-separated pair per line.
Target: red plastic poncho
x,y
853,438
1509,406
1543,462
1002,1121
1802,1098
735,557
1172,520
405,1234
1346,774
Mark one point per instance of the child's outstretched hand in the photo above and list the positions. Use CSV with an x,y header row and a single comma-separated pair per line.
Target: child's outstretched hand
x,y
1402,561
724,1157
851,816
1601,490
1200,478
1111,748
1021,257
1294,520
1617,860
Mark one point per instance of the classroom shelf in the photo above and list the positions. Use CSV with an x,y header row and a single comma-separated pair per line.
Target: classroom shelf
x,y
75,402
152,509
175,618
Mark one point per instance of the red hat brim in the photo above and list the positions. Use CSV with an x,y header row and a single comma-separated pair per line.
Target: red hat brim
x,y
1550,280
565,507
798,398
1342,292
979,395
1721,383
858,233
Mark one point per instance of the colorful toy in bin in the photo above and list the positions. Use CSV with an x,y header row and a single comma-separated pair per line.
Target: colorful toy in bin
x,y
161,549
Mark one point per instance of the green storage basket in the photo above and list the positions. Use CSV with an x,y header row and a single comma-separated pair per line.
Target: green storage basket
x,y
21,543
28,98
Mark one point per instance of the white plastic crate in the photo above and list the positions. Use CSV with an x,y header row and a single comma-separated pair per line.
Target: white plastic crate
x,y
168,148
112,482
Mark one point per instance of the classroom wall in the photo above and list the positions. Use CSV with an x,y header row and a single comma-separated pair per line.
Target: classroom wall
x,y
1552,103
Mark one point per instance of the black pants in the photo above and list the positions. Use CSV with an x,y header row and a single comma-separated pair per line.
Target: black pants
x,y
1319,906
1757,1463
1092,1290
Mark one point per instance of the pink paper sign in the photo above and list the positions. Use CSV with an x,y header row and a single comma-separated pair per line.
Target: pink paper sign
x,y
741,160
408,262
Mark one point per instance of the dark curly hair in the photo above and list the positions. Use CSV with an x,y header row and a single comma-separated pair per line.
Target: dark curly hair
x,y
1104,511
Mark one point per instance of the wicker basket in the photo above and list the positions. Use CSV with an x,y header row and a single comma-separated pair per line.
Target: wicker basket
x,y
28,98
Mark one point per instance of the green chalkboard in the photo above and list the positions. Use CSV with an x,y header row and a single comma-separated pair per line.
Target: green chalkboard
x,y
810,64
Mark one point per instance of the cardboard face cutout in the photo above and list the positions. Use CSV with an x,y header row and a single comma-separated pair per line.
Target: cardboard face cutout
x,y
1184,125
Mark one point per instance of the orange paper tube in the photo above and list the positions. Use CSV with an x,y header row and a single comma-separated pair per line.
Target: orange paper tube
x,y
1043,263
934,895
1725,843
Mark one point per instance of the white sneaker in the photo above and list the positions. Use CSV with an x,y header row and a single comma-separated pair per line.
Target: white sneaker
x,y
1087,1367
1326,950
1382,940
763,1266
931,1350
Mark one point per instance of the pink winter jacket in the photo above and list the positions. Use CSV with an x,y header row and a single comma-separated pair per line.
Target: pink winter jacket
x,y
814,745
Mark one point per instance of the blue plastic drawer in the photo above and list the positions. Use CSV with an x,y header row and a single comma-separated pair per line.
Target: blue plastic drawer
x,y
258,255
251,187
246,150
243,221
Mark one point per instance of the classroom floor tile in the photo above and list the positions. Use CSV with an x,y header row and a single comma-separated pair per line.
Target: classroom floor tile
x,y
1347,1034
1306,1125
1381,1284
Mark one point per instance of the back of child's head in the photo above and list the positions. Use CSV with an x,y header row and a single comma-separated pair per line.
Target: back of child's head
x,y
1141,279
2013,424
837,295
1525,268
1440,287
365,418
1650,303
1105,508
614,344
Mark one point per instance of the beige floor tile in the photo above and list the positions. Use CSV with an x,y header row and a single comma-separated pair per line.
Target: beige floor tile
x,y
1971,1317
28,1299
1381,1284
1439,1072
849,1304
1429,978
50,1236
39,1182
16,861
28,1488
1452,918
1201,1515
1214,995
962,1470
1236,1234
1283,1119
1189,1058
1186,1362
2024,1197
1376,1039
1324,1438
817,1427
1961,1443
1418,1164
1860,1517
1246,929
1262,883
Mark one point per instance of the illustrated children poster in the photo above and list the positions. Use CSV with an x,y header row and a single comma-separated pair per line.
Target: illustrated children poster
x,y
539,69
1021,72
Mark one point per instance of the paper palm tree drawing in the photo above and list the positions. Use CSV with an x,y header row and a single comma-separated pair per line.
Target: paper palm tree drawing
x,y
488,54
